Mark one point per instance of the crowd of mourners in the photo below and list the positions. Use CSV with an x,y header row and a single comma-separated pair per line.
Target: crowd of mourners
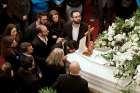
x,y
36,36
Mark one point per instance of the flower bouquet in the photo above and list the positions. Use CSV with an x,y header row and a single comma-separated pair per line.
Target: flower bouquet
x,y
122,37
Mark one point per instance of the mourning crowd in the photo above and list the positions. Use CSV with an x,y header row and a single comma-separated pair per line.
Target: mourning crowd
x,y
37,35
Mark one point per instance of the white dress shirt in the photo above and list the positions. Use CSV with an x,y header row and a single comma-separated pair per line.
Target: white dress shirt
x,y
75,31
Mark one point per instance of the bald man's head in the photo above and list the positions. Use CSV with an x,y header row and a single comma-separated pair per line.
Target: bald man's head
x,y
42,30
74,68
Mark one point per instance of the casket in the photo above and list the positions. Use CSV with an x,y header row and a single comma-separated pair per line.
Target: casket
x,y
99,75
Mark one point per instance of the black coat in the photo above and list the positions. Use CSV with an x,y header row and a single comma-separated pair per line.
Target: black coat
x,y
18,8
67,31
27,81
41,50
51,73
71,84
7,83
30,32
56,29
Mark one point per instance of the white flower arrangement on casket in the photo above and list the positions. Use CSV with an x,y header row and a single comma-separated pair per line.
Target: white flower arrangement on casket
x,y
123,38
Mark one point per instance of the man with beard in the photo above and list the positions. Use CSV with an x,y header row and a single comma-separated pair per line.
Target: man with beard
x,y
75,29
30,33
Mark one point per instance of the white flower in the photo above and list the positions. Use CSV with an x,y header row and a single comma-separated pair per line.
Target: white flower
x,y
113,43
110,38
128,55
130,22
126,46
119,37
138,31
122,57
135,48
134,37
116,71
114,25
135,44
116,57
111,31
137,28
138,53
130,50
103,43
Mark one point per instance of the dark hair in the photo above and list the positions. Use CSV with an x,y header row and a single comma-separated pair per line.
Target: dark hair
x,y
7,68
9,28
71,44
8,31
5,45
38,29
53,12
7,41
74,12
24,45
39,15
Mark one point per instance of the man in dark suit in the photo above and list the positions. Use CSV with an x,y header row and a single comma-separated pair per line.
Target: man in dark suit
x,y
30,32
75,29
71,83
41,45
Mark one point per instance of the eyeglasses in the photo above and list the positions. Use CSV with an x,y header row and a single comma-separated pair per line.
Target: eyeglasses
x,y
77,16
44,19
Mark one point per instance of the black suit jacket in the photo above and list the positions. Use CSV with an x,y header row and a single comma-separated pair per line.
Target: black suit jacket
x,y
41,50
67,83
30,32
51,72
67,31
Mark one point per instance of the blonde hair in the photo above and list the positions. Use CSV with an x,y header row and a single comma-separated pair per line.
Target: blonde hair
x,y
56,57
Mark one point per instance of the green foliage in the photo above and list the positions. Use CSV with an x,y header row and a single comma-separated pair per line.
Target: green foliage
x,y
137,14
108,56
127,91
129,68
47,90
119,23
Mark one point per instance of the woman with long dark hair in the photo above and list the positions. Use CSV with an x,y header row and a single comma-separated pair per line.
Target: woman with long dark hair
x,y
9,51
12,31
56,25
